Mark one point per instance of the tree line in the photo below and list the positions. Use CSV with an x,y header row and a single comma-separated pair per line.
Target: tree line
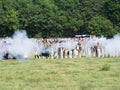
x,y
60,18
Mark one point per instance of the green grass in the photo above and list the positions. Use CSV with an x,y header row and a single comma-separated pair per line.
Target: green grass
x,y
66,74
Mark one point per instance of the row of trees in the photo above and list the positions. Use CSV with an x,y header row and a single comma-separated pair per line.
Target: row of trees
x,y
60,18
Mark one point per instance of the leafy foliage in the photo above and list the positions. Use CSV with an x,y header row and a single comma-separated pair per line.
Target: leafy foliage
x,y
101,26
60,18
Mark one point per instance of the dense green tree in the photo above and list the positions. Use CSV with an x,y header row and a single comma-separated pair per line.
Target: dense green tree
x,y
101,26
112,12
60,18
8,18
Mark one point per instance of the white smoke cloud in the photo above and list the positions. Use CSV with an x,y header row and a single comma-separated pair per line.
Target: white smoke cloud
x,y
19,45
110,47
69,44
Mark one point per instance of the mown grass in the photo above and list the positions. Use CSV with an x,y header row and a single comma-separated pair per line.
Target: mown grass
x,y
66,74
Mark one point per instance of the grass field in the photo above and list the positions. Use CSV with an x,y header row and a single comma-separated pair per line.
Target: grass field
x,y
66,74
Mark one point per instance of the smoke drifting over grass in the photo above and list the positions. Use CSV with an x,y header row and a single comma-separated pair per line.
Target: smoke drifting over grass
x,y
18,46
108,47
112,47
